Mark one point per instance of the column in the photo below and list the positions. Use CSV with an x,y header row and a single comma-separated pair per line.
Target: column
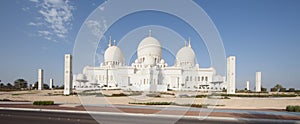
x,y
231,75
40,79
68,75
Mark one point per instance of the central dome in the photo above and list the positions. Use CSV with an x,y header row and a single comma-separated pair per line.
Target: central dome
x,y
149,46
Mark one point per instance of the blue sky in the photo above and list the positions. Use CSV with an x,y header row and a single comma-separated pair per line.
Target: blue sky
x,y
262,34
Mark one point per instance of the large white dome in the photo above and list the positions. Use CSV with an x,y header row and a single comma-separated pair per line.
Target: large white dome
x,y
185,56
149,46
113,54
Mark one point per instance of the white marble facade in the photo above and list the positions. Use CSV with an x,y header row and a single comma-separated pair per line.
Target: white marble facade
x,y
149,72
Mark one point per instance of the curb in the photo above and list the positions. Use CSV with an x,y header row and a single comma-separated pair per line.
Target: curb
x,y
154,115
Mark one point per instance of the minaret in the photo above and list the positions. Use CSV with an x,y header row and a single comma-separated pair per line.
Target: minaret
x,y
247,85
231,75
40,79
190,42
109,44
150,33
258,82
68,75
51,83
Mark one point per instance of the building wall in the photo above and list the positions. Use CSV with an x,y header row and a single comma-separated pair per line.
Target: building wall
x,y
150,78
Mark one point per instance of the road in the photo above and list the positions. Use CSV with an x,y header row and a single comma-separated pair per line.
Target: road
x,y
34,117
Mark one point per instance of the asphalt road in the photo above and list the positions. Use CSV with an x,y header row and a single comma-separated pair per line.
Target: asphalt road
x,y
33,117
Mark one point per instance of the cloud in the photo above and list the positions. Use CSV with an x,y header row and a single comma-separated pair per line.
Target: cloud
x,y
102,8
34,24
98,27
56,16
44,33
34,1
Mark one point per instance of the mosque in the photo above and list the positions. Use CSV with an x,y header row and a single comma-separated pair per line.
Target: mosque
x,y
149,72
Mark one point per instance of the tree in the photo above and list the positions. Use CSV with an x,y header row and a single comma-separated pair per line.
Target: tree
x,y
2,85
35,85
282,89
9,86
263,89
276,88
273,90
292,90
45,86
20,83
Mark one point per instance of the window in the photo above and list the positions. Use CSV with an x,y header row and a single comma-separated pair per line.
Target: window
x,y
206,78
202,78
198,78
191,78
187,78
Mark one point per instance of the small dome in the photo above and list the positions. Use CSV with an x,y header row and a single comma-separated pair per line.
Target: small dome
x,y
81,78
162,61
185,56
113,54
218,78
149,46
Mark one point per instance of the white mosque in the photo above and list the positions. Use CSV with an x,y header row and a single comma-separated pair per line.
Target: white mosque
x,y
150,72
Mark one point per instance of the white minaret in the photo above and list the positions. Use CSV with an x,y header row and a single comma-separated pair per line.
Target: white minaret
x,y
258,82
40,79
231,75
248,85
51,83
68,74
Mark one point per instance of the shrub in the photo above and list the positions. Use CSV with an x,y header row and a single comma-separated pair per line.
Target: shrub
x,y
166,93
297,109
152,103
43,103
153,95
5,100
117,95
198,106
293,108
283,95
289,108
201,96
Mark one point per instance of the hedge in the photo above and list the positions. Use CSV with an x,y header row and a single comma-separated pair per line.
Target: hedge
x,y
43,103
293,108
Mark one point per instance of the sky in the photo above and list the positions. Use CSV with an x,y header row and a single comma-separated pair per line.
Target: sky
x,y
264,35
